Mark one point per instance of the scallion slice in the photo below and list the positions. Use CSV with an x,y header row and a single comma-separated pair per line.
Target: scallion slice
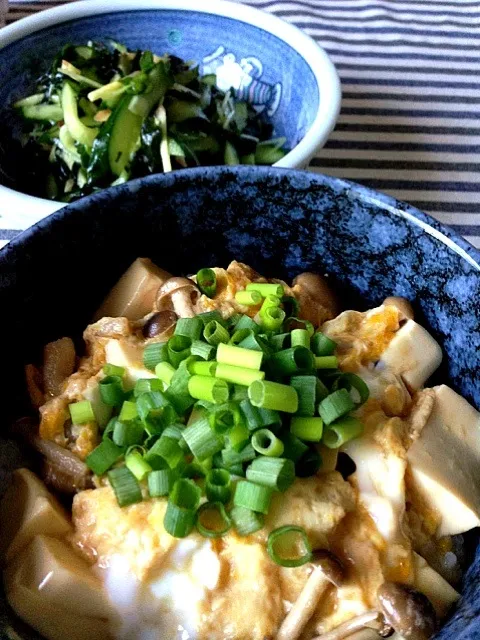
x,y
248,298
309,429
291,361
342,431
208,388
256,343
239,357
289,546
127,434
281,341
181,508
266,443
251,415
269,418
245,322
326,362
335,405
269,301
137,465
265,288
113,370
208,316
306,387
164,372
230,457
81,412
212,520
300,338
189,328
238,436
272,395
125,486
309,464
207,282
351,381
111,391
215,333
239,336
155,353
246,521
178,348
145,385
272,318
202,349
321,345
294,448
160,482
276,473
166,448
218,486
252,496
202,440
103,457
128,411
238,375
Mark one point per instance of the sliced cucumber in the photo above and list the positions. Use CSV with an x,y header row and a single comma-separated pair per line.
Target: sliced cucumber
x,y
52,112
29,101
79,132
124,136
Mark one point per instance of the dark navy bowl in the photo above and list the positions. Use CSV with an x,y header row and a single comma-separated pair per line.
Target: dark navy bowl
x,y
280,222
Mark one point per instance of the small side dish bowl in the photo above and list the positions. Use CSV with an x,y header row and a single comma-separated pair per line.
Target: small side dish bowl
x,y
270,63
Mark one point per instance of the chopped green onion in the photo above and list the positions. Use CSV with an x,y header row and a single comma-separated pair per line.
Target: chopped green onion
x,y
272,395
160,482
166,448
127,434
276,473
230,457
155,353
189,328
272,318
306,387
103,457
321,390
81,412
239,393
229,354
290,361
218,486
137,465
246,521
125,486
289,546
151,404
203,368
256,343
321,345
239,336
248,298
176,432
165,372
208,316
269,301
300,338
294,448
108,432
146,385
208,388
215,333
251,414
269,417
202,349
212,520
181,508
297,323
309,429
111,391
326,362
224,417
207,282
238,436
267,443
177,392
281,341
178,348
202,439
342,431
290,306
266,289
309,464
113,370
335,405
351,381
238,375
252,496
245,322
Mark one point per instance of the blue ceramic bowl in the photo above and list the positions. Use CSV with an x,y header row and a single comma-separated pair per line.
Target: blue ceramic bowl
x,y
267,61
281,223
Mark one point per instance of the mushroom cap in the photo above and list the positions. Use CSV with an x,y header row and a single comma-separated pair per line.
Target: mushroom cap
x,y
159,323
407,610
330,566
179,294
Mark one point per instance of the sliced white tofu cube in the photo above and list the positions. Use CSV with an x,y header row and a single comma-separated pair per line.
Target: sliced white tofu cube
x,y
130,356
440,593
445,462
100,409
412,354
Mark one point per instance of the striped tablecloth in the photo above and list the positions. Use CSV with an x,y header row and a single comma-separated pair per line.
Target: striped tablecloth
x,y
410,119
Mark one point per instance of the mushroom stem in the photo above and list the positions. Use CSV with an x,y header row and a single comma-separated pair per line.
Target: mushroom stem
x,y
370,620
326,571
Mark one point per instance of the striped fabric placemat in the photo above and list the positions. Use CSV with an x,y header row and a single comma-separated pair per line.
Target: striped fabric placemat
x,y
410,119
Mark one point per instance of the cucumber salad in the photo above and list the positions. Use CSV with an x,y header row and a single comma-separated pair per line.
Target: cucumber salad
x,y
103,115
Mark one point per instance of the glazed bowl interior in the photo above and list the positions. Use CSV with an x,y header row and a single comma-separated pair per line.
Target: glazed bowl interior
x,y
280,222
270,64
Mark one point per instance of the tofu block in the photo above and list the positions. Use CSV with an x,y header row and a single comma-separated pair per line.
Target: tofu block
x,y
445,461
129,355
412,354
440,593
134,294
28,600
101,410
26,510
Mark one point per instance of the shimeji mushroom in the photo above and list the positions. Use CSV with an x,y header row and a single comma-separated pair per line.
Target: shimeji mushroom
x,y
160,325
179,294
402,609
326,570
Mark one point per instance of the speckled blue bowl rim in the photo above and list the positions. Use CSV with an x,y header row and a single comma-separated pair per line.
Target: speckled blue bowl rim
x,y
354,190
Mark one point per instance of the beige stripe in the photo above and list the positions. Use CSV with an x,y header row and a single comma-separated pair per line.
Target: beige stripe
x,y
407,64
405,106
475,240
414,38
433,196
415,91
353,173
410,48
385,120
409,75
457,218
418,138
414,25
404,156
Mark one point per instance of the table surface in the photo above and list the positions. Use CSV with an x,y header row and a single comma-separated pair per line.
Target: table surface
x,y
409,124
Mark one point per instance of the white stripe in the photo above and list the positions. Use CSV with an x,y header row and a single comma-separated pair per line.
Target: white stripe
x,y
385,22
406,156
475,240
352,173
456,218
405,64
417,91
390,38
365,103
417,138
412,49
386,74
432,196
386,120
3,243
